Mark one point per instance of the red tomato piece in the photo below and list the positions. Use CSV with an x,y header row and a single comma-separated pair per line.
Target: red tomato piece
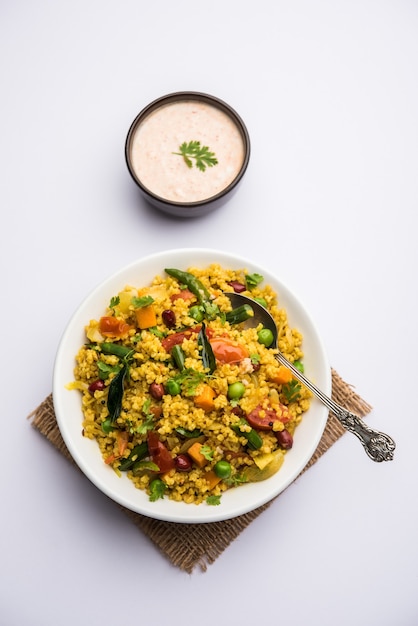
x,y
228,351
185,294
263,419
177,339
159,453
113,327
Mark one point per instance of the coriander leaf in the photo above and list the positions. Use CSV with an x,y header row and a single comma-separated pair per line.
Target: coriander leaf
x,y
213,500
235,480
292,390
146,406
191,384
154,330
138,303
252,280
211,310
105,370
189,379
202,156
207,452
114,301
157,489
149,421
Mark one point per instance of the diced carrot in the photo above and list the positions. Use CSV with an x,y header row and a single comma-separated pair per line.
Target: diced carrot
x,y
212,479
146,316
123,438
205,399
282,376
196,455
109,460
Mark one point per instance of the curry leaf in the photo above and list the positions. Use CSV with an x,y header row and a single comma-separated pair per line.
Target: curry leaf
x,y
208,358
115,395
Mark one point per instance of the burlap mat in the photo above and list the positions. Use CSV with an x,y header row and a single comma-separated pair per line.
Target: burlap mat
x,y
191,545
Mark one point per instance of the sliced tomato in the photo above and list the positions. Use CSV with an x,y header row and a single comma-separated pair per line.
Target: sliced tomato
x,y
177,339
263,419
113,327
159,453
185,294
228,351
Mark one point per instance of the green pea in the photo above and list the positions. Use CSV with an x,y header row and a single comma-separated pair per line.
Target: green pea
x,y
236,391
265,336
196,312
261,301
172,387
299,366
107,426
222,469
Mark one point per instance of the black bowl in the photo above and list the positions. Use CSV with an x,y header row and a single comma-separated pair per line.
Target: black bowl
x,y
211,201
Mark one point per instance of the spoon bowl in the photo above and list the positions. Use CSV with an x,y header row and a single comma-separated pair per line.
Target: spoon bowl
x,y
378,445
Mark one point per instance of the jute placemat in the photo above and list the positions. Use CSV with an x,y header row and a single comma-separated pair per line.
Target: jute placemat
x,y
191,545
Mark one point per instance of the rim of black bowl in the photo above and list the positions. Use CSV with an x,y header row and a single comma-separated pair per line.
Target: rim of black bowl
x,y
179,96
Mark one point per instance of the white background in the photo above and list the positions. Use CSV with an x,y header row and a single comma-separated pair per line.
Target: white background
x,y
329,93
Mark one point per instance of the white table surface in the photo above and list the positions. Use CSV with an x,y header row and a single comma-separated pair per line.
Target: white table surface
x,y
329,93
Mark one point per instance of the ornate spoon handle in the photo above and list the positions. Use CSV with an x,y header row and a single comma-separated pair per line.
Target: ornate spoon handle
x,y
379,446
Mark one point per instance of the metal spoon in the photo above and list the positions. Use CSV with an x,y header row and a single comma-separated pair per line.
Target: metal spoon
x,y
379,446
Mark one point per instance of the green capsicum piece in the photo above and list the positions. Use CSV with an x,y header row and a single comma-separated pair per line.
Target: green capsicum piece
x,y
178,357
240,314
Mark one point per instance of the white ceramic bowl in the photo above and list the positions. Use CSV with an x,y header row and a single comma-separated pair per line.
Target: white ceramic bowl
x,y
85,452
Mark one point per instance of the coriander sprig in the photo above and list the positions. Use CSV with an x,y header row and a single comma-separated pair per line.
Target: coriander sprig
x,y
292,390
202,156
